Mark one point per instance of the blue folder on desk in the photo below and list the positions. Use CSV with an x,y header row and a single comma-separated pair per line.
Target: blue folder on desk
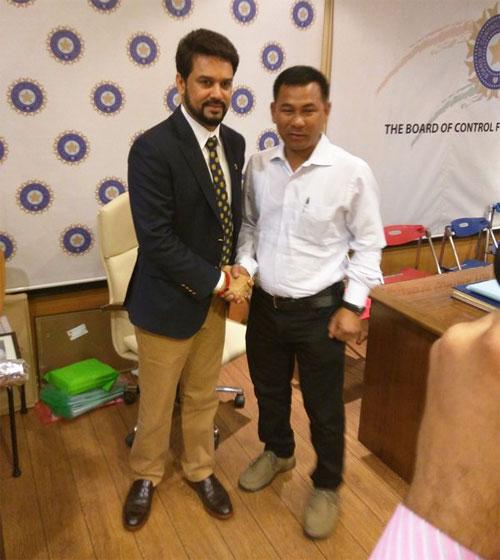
x,y
465,293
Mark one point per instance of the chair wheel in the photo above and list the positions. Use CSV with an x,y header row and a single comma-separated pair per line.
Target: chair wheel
x,y
129,440
239,401
130,397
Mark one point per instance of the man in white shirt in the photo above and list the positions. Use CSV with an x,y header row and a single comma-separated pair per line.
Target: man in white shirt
x,y
308,204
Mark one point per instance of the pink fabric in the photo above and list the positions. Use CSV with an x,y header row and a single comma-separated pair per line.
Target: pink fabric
x,y
409,537
366,312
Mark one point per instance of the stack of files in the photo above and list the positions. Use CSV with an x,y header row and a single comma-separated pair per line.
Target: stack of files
x,y
483,295
76,388
71,406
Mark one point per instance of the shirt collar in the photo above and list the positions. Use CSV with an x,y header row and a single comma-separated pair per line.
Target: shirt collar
x,y
321,154
201,133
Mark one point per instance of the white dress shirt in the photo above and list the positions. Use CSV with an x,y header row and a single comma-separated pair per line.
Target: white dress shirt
x,y
202,135
299,226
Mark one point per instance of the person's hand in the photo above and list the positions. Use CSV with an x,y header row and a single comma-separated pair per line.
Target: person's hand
x,y
237,270
345,325
241,285
456,485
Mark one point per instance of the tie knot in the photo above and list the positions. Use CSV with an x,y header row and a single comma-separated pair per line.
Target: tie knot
x,y
211,142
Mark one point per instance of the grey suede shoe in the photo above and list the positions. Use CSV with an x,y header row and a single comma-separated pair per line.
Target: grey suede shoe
x,y
263,469
322,513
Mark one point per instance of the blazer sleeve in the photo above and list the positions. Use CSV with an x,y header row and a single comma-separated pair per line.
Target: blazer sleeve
x,y
153,207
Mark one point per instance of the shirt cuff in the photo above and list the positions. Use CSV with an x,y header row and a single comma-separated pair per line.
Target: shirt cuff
x,y
407,535
356,293
220,283
249,264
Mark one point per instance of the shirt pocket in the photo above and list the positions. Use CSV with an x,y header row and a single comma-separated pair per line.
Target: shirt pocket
x,y
316,224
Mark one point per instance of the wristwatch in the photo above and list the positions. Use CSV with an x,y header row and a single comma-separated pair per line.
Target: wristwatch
x,y
358,309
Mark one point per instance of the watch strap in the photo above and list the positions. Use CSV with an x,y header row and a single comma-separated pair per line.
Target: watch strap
x,y
358,309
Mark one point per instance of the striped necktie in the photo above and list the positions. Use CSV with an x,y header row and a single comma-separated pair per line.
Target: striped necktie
x,y
223,206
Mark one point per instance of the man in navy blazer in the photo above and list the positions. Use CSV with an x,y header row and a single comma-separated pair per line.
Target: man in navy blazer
x,y
185,199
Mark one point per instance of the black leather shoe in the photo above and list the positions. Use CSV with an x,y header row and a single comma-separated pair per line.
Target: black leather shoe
x,y
215,499
138,504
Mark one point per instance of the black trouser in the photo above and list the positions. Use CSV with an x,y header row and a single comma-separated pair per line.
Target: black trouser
x,y
274,338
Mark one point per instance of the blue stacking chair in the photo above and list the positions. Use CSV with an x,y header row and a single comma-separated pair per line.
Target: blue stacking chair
x,y
462,228
491,241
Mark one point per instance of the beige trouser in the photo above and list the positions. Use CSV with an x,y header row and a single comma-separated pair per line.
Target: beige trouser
x,y
193,363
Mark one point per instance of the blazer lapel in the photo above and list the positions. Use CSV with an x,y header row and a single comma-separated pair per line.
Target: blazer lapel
x,y
235,173
194,158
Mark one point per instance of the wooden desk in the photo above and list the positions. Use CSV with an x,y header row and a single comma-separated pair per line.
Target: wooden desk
x,y
405,319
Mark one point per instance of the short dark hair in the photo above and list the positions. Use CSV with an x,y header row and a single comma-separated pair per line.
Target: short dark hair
x,y
301,76
207,42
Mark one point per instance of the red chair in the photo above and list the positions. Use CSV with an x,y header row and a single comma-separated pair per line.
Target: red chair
x,y
403,234
396,235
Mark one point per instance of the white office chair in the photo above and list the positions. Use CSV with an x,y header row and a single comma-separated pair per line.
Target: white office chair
x,y
118,248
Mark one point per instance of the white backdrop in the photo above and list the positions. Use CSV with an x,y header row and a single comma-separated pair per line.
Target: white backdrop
x,y
80,78
401,64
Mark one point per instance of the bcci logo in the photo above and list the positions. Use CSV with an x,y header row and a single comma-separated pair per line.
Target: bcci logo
x,y
76,240
108,189
272,57
71,147
20,3
178,8
34,197
267,139
143,49
107,98
302,14
105,6
171,99
65,45
7,245
244,11
26,96
484,54
242,101
4,150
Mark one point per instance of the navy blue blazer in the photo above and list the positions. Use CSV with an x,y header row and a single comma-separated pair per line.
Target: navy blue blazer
x,y
177,225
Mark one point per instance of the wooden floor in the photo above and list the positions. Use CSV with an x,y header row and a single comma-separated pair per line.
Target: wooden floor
x,y
67,502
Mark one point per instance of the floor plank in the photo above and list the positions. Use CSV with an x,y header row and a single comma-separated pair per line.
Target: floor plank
x,y
18,498
61,514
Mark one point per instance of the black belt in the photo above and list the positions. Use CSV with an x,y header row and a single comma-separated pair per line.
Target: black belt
x,y
326,298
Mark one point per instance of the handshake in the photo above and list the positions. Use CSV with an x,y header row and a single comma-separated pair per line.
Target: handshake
x,y
238,286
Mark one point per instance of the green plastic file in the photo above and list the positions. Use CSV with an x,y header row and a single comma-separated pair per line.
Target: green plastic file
x,y
82,376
